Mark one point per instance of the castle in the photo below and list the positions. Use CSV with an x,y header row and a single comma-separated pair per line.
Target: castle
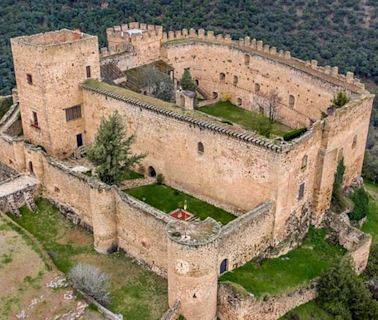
x,y
276,188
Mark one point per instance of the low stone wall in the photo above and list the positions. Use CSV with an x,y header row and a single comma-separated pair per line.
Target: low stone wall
x,y
6,172
172,313
236,304
354,240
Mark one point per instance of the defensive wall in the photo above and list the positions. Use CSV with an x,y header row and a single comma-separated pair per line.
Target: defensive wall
x,y
277,188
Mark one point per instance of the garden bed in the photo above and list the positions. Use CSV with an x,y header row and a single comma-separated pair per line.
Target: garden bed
x,y
293,270
168,199
137,293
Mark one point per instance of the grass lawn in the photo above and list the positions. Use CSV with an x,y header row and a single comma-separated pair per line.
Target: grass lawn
x,y
137,293
371,224
168,199
248,119
308,311
298,267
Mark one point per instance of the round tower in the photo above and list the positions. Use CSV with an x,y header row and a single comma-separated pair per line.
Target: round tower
x,y
192,268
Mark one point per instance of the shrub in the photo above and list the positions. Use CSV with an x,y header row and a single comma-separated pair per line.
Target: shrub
x,y
340,99
339,202
342,293
160,179
360,199
187,82
372,266
92,281
294,134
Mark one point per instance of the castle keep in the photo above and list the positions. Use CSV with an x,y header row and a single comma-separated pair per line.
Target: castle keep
x,y
276,188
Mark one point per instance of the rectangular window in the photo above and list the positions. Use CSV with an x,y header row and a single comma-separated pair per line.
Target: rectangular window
x,y
88,69
73,113
79,140
35,120
301,191
29,78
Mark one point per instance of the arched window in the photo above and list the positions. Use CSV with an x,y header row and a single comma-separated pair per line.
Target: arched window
x,y
246,59
215,95
354,142
151,171
235,82
239,101
200,148
257,87
222,76
197,82
223,266
291,101
304,162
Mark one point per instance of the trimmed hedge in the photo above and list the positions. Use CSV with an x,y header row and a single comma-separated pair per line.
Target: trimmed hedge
x,y
294,134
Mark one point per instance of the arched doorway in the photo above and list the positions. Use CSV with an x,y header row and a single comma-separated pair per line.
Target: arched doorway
x,y
224,266
151,172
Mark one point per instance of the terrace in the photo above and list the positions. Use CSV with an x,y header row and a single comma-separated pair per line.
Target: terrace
x,y
249,120
168,200
291,271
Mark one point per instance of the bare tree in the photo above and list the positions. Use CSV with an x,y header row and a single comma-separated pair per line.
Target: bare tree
x,y
268,103
92,281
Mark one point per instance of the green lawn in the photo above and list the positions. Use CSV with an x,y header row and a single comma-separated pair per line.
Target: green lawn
x,y
130,175
308,311
298,267
137,293
168,199
371,224
248,119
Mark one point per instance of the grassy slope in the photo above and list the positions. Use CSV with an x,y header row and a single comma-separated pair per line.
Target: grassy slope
x,y
298,267
371,224
311,311
247,119
137,293
168,199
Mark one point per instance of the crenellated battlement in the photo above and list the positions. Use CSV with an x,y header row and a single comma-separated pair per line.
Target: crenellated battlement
x,y
259,47
121,37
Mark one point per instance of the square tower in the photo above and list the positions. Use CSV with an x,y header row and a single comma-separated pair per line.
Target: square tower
x,y
49,68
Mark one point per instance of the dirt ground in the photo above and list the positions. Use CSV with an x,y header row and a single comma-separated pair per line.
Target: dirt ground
x,y
28,289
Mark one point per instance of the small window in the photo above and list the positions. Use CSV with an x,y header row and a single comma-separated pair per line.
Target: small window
x,y
73,113
222,76
354,142
79,140
236,80
304,162
257,87
35,120
29,78
197,82
89,73
239,101
246,59
291,101
301,191
200,148
215,95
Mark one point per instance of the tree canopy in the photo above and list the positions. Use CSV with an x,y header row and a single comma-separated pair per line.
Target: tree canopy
x,y
111,150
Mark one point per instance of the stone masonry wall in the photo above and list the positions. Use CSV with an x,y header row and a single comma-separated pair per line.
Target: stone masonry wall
x,y
247,236
234,306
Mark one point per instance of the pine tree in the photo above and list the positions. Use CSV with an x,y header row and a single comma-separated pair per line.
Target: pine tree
x,y
187,82
110,152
